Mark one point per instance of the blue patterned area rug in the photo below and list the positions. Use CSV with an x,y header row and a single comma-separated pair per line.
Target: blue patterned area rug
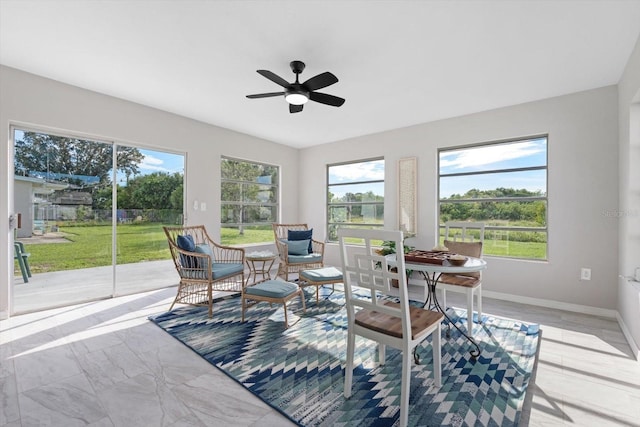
x,y
299,371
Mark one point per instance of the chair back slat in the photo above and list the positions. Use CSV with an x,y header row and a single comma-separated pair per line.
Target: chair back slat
x,y
281,231
462,231
288,266
365,270
207,269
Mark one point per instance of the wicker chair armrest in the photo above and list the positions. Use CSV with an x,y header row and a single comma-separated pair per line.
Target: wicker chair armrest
x,y
283,250
203,261
227,253
318,247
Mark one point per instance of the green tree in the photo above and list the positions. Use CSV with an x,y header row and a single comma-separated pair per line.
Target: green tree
x,y
69,157
476,207
245,186
152,191
177,197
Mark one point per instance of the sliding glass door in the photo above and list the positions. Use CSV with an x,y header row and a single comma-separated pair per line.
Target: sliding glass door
x,y
90,223
149,196
69,242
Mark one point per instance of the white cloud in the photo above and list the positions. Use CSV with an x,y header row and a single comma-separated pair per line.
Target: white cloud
x,y
358,172
150,162
475,157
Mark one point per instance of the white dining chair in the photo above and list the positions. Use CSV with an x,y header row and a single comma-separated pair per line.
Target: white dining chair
x,y
464,238
372,315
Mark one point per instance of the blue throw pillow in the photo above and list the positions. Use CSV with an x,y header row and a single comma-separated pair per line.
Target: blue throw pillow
x,y
297,247
186,243
302,235
204,249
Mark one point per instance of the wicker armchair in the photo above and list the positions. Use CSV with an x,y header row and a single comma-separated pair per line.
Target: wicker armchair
x,y
290,263
207,267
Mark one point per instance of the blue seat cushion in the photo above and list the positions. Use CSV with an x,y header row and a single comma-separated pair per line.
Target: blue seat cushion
x,y
272,289
322,274
221,269
304,259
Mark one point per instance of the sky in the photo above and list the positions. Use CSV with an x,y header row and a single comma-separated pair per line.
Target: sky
x,y
365,171
520,154
153,161
156,161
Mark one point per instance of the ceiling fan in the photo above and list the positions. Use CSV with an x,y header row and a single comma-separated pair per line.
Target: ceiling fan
x,y
296,93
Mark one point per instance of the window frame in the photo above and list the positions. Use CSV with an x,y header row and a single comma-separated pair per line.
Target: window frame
x,y
494,228
329,204
275,185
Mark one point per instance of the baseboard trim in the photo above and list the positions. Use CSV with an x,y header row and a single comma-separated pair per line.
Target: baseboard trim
x,y
576,308
4,315
625,331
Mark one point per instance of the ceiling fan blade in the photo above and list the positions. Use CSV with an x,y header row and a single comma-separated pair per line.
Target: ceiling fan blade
x,y
323,98
265,95
274,78
295,108
320,81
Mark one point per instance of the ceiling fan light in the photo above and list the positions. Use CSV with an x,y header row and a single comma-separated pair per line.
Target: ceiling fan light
x,y
296,98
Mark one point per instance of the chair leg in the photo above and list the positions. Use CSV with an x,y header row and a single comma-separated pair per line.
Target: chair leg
x,y
405,387
286,321
26,265
210,295
479,303
470,311
348,370
444,299
437,355
23,270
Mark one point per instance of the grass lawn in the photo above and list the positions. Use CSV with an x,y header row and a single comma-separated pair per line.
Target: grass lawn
x,y
231,237
528,250
91,247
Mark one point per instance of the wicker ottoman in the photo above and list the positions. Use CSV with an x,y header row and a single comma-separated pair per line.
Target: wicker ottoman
x,y
271,291
320,276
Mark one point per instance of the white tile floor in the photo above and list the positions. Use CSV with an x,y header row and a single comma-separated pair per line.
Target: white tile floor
x,y
105,364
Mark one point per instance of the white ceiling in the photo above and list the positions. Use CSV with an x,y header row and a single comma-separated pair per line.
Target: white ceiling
x,y
399,62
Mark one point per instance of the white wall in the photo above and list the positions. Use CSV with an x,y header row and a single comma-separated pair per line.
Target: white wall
x,y
582,190
629,218
29,99
583,177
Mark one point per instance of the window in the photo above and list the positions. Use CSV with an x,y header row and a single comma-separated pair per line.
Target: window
x,y
249,201
355,196
503,185
103,211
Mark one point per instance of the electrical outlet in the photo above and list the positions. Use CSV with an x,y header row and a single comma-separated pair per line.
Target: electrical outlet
x,y
585,274
203,206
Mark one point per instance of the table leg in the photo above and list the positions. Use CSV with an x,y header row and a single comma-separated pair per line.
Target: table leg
x,y
432,301
263,270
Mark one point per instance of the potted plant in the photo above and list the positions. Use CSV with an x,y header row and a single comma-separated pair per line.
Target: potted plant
x,y
389,247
